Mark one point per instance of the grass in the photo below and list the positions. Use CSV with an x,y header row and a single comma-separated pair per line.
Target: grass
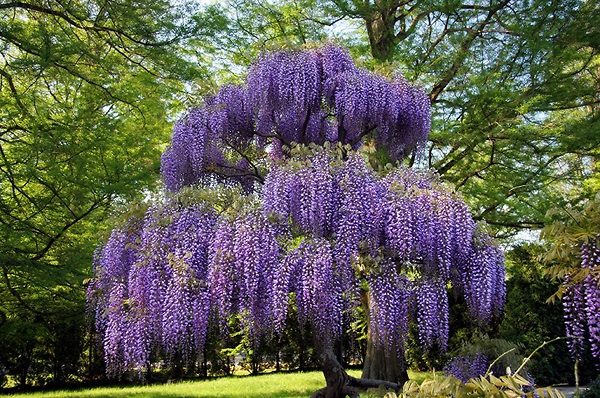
x,y
280,385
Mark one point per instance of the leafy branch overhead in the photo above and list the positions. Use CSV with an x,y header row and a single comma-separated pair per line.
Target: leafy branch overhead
x,y
86,90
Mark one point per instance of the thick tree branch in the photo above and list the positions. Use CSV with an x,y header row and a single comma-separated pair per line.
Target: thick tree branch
x,y
460,156
14,292
515,189
13,89
477,172
256,173
528,224
32,51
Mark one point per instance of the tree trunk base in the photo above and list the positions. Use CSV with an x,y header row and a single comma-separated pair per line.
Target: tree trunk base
x,y
384,365
340,384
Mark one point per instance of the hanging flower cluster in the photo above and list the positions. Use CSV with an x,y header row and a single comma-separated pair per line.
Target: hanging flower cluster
x,y
314,96
150,289
158,285
245,258
581,303
389,303
467,367
483,281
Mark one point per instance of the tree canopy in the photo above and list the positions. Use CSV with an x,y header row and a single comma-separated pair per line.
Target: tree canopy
x,y
86,92
321,232
514,87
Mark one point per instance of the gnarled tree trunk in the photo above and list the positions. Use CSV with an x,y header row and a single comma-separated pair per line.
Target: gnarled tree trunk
x,y
384,365
340,384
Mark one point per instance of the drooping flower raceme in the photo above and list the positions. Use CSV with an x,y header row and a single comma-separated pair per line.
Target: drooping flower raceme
x,y
467,367
581,303
483,282
150,290
590,255
318,289
432,313
389,306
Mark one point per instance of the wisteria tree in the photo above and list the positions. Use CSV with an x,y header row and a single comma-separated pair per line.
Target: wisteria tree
x,y
320,220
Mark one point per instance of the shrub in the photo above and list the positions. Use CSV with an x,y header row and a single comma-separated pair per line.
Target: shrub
x,y
487,386
507,353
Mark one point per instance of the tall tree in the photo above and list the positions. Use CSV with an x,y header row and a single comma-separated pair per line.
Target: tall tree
x,y
86,91
317,226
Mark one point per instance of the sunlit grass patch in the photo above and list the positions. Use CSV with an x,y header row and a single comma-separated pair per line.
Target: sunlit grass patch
x,y
278,385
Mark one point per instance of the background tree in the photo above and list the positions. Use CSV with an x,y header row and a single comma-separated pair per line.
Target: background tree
x,y
529,319
86,91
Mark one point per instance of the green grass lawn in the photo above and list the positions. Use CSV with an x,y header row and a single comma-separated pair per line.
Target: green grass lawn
x,y
282,385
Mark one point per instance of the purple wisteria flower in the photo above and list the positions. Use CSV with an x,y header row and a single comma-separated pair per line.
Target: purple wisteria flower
x,y
324,228
467,367
313,96
581,303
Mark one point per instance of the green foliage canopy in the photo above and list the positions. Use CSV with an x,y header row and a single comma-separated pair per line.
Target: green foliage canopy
x,y
87,89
